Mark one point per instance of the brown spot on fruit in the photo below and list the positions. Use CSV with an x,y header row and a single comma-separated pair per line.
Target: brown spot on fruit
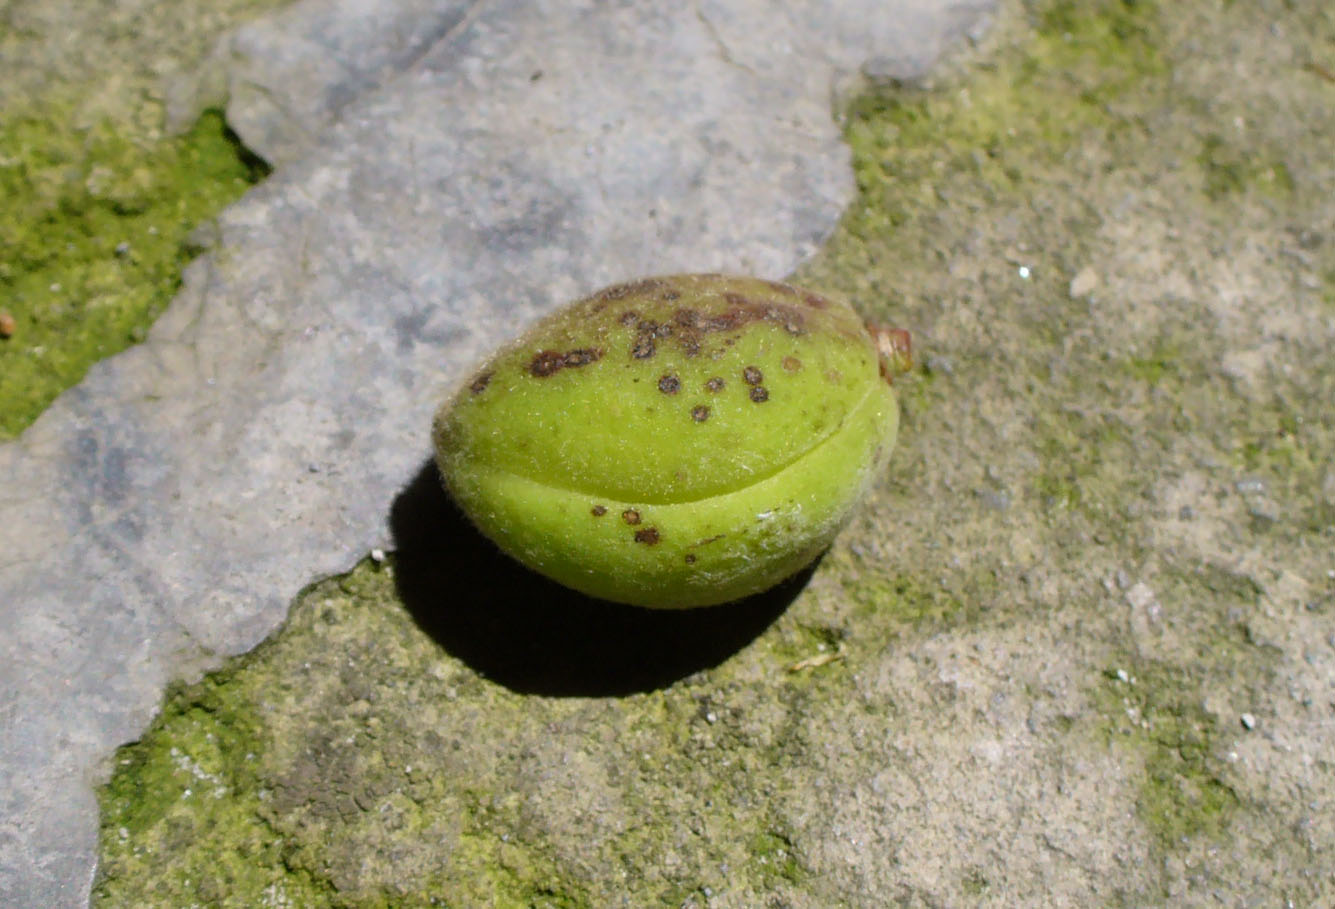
x,y
644,347
815,301
629,289
690,558
598,511
546,363
686,318
479,384
629,318
630,516
759,394
791,364
714,385
549,362
648,536
669,384
8,325
752,375
700,413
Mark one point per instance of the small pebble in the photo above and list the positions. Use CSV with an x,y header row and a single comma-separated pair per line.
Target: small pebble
x,y
7,325
1084,282
1248,721
378,556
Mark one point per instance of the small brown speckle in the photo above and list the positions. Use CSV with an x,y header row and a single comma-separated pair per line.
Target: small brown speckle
x,y
629,289
549,362
479,385
669,384
598,511
815,301
630,516
792,364
759,394
644,347
648,536
700,413
630,317
690,558
714,385
752,375
687,318
546,363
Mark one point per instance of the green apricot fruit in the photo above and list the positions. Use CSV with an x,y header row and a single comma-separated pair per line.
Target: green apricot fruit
x,y
677,441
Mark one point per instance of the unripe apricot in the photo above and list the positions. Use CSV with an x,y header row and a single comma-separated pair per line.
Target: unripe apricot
x,y
677,441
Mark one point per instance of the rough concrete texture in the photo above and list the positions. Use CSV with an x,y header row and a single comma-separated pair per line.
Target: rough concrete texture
x,y
1076,650
162,515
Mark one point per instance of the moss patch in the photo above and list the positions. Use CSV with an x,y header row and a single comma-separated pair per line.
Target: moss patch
x,y
1154,705
93,237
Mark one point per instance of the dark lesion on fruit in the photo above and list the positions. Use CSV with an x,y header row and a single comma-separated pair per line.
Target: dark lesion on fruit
x,y
752,375
669,384
630,289
690,558
744,309
647,335
630,516
479,383
643,348
598,511
759,394
700,413
791,364
693,326
714,385
549,362
649,536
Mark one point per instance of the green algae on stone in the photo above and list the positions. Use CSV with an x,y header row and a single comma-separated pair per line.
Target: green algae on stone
x,y
680,441
94,234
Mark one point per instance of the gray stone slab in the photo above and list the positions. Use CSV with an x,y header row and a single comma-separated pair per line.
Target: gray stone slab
x,y
493,162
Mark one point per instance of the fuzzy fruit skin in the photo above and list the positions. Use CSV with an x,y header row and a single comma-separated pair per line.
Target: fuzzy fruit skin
x,y
674,442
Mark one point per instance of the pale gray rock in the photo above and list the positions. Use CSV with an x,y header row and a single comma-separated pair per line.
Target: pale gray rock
x,y
286,78
450,172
